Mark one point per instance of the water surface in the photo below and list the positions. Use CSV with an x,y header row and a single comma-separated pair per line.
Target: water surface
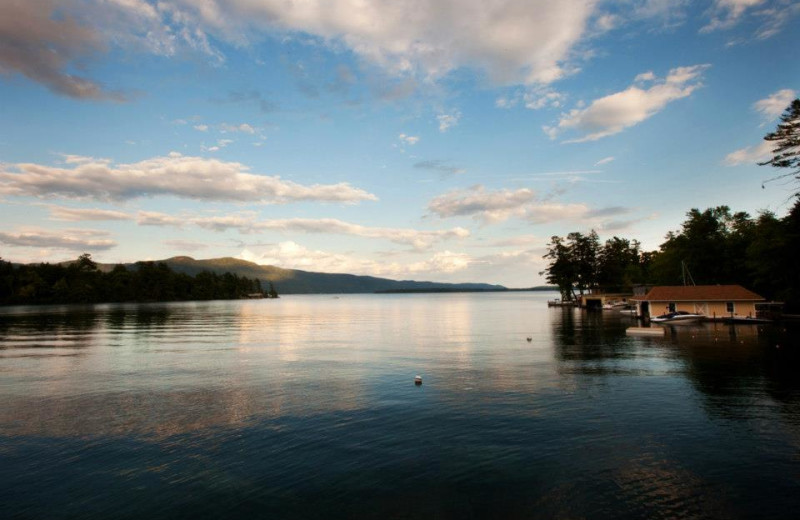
x,y
305,407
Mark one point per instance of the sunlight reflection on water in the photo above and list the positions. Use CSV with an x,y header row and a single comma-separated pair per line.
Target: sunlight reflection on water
x,y
305,407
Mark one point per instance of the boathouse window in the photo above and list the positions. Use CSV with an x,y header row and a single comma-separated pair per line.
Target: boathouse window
x,y
730,307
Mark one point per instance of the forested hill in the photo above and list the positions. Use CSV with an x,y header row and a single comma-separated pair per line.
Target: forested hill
x,y
292,281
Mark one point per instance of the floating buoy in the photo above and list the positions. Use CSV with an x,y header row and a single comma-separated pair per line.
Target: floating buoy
x,y
529,339
417,380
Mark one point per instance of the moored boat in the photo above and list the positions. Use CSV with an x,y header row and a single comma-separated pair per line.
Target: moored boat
x,y
677,317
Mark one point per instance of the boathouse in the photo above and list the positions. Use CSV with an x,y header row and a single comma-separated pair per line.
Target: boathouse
x,y
712,301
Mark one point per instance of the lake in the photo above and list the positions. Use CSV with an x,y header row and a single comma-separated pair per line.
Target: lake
x,y
306,407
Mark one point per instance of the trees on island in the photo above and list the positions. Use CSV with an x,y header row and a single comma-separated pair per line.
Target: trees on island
x,y
717,245
580,263
82,282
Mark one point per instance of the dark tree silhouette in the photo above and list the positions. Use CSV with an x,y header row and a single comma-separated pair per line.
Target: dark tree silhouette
x,y
786,137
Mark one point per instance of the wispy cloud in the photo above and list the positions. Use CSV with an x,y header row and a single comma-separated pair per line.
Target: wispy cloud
x,y
482,204
290,254
727,13
408,139
68,239
447,121
612,114
497,206
248,223
86,214
173,175
604,160
749,154
773,105
439,166
533,98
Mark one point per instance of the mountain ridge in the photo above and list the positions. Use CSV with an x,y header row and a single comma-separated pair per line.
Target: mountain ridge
x,y
296,281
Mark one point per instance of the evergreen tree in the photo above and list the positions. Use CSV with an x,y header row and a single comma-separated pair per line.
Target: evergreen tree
x,y
786,153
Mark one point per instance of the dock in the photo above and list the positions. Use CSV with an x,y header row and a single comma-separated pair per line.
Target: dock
x,y
645,331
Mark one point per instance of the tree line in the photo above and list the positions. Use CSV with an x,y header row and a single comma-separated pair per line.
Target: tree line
x,y
716,246
82,282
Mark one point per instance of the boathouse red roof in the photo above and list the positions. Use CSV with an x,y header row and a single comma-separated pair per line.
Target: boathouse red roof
x,y
693,293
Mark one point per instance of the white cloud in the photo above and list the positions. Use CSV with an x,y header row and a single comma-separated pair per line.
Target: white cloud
x,y
514,41
174,175
155,218
533,98
419,239
483,205
774,105
604,160
201,128
79,214
291,255
750,154
408,139
447,121
497,206
243,127
248,223
728,12
68,239
612,114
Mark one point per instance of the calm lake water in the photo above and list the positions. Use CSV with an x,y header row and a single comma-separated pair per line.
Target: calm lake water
x,y
306,407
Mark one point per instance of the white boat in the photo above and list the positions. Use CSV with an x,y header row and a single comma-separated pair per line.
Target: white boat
x,y
677,317
628,312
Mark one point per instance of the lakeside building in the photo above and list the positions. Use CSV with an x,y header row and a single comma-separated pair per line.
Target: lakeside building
x,y
712,301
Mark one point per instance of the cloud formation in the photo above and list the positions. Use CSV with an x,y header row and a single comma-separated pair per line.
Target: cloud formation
x,y
248,223
726,13
604,160
447,121
84,214
69,239
612,114
515,41
173,175
478,202
439,166
291,255
408,139
773,106
43,47
750,154
497,206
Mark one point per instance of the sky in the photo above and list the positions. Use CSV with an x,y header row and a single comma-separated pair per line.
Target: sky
x,y
442,140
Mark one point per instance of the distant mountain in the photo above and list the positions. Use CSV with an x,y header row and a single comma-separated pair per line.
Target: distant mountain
x,y
293,281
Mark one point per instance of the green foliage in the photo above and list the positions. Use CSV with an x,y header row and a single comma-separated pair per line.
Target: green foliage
x,y
82,282
579,263
717,246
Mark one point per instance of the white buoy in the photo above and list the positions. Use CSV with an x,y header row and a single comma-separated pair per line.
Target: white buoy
x,y
417,380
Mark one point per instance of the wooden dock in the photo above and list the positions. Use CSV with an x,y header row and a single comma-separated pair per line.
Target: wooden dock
x,y
645,331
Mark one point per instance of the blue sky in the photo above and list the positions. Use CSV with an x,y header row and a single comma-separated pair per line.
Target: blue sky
x,y
430,139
